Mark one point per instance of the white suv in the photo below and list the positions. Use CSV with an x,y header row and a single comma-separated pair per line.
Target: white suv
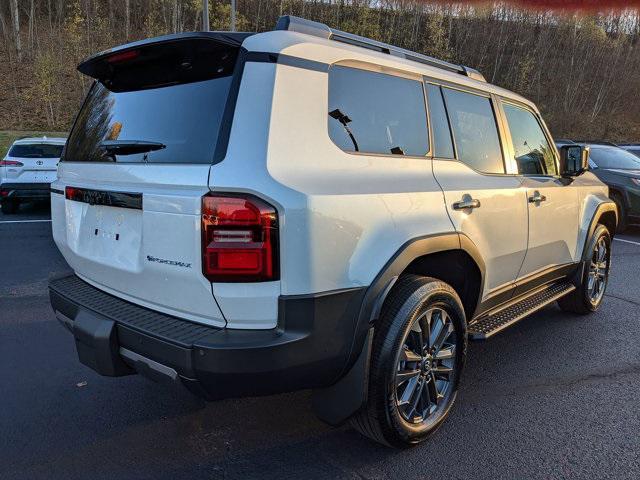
x,y
303,208
27,170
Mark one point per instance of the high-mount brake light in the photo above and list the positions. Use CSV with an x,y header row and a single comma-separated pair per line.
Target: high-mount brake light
x,y
239,239
123,56
11,163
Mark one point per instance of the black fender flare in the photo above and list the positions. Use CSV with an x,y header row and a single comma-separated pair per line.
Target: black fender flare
x,y
601,209
337,403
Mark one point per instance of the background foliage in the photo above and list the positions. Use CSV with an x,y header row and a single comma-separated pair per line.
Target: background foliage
x,y
583,71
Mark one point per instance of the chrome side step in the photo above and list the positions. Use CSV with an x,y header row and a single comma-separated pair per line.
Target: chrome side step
x,y
488,325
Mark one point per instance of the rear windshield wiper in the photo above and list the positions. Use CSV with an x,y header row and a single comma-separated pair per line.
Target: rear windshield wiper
x,y
130,147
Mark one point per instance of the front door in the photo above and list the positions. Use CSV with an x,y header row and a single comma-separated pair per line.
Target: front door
x,y
552,201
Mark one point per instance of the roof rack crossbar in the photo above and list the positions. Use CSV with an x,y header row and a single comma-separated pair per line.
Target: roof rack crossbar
x,y
309,27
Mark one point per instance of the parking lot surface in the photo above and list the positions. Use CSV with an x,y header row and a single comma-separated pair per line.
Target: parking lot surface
x,y
556,396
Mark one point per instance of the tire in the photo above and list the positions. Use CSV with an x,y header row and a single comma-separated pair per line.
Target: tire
x,y
387,418
9,206
622,212
582,300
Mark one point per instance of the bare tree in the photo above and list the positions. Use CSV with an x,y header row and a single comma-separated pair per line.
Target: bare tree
x,y
15,16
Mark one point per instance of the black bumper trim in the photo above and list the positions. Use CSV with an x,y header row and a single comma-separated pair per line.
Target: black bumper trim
x,y
26,190
26,186
309,348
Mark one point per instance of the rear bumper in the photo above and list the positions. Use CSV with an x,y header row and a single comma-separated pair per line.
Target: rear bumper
x,y
309,348
25,190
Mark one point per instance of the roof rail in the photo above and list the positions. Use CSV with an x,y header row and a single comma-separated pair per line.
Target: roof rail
x,y
317,29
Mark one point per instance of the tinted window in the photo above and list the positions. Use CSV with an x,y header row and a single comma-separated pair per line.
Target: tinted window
x,y
533,153
36,150
442,145
474,130
613,157
182,120
376,113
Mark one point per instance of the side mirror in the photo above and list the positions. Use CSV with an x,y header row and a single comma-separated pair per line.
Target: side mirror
x,y
574,159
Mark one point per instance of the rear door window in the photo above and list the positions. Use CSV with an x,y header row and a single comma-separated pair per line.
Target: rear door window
x,y
36,150
533,153
475,131
371,112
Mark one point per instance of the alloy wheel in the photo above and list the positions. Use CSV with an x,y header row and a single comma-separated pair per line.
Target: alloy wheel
x,y
426,366
598,271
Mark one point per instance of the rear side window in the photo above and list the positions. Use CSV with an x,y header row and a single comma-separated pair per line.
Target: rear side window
x,y
36,150
533,154
376,113
442,145
474,130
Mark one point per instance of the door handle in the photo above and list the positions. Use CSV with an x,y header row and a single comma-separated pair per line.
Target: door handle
x,y
466,203
537,197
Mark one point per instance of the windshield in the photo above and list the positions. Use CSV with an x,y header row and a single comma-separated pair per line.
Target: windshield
x,y
36,150
184,118
613,157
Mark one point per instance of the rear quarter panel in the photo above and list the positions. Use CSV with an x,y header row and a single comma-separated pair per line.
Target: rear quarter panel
x,y
343,216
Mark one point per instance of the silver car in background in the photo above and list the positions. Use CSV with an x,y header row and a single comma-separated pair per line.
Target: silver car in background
x,y
28,169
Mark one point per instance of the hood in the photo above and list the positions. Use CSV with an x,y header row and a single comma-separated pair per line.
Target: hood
x,y
625,173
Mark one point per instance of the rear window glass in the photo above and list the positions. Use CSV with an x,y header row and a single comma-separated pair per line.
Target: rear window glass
x,y
474,130
174,124
36,150
442,145
376,113
613,157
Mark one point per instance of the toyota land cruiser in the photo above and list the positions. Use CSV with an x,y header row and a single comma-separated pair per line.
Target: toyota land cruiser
x,y
248,214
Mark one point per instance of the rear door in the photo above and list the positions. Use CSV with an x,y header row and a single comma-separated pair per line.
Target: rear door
x,y
485,201
553,203
33,162
126,206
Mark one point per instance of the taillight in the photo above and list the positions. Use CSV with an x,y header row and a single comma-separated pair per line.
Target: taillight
x,y
10,163
239,239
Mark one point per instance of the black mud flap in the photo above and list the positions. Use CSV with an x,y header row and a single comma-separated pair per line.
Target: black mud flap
x,y
97,345
337,403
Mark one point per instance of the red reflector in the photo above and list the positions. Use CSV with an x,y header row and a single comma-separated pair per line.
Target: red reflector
x,y
10,163
239,239
123,56
72,193
4,193
245,260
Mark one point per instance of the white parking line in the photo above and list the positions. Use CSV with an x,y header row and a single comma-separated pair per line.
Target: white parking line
x,y
626,241
23,221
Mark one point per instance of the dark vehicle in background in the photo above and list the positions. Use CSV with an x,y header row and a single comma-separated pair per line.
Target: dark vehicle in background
x,y
631,147
619,169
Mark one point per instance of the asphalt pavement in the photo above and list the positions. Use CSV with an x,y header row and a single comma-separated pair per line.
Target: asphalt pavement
x,y
556,396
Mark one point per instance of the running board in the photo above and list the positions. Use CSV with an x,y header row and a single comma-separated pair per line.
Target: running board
x,y
488,325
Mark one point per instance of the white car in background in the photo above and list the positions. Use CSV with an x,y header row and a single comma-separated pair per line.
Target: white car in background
x,y
28,169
